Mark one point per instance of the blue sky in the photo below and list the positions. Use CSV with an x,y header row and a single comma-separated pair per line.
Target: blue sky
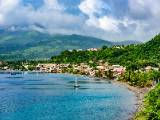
x,y
107,19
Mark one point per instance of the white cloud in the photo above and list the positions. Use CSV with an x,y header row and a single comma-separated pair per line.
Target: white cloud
x,y
6,8
13,12
51,15
1,20
109,24
91,7
139,22
8,5
145,7
53,5
105,22
146,15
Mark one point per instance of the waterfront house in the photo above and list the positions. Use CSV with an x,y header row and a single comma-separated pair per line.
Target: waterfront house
x,y
46,67
118,70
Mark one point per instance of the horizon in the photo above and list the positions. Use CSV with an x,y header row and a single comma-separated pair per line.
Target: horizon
x,y
108,20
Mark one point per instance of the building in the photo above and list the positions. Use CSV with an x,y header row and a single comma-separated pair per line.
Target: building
x,y
148,68
118,70
92,49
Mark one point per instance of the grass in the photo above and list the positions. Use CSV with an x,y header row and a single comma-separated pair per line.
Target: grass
x,y
140,116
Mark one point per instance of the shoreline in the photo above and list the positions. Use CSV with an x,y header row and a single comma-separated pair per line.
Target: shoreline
x,y
139,92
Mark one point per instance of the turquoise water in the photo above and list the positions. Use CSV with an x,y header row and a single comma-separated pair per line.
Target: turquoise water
x,y
33,96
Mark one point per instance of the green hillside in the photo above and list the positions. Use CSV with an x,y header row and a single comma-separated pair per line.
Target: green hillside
x,y
147,53
134,57
35,45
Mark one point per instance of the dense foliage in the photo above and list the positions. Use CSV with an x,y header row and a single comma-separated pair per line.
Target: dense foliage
x,y
151,110
140,78
20,65
152,104
138,55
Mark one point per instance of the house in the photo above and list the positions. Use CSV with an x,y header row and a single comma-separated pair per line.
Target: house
x,y
148,68
92,73
46,67
118,70
101,67
5,68
79,50
92,49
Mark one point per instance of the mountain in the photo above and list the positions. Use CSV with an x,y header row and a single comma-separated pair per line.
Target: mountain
x,y
20,45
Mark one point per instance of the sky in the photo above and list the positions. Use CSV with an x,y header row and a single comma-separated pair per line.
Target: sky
x,y
113,20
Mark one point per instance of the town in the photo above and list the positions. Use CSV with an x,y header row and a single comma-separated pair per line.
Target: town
x,y
103,69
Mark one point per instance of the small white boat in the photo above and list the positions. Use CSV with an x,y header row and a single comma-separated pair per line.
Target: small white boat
x,y
76,85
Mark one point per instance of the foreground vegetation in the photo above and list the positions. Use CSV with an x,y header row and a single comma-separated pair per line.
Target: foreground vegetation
x,y
151,108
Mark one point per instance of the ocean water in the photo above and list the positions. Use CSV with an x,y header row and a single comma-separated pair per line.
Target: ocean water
x,y
43,96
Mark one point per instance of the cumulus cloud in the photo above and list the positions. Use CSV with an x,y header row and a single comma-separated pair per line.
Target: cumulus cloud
x,y
53,5
12,12
139,20
108,19
146,15
144,8
1,20
8,5
106,22
51,15
92,8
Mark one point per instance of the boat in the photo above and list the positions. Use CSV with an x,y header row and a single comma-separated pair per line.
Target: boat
x,y
16,73
76,85
13,73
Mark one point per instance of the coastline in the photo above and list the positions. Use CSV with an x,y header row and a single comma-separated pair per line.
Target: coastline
x,y
139,92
